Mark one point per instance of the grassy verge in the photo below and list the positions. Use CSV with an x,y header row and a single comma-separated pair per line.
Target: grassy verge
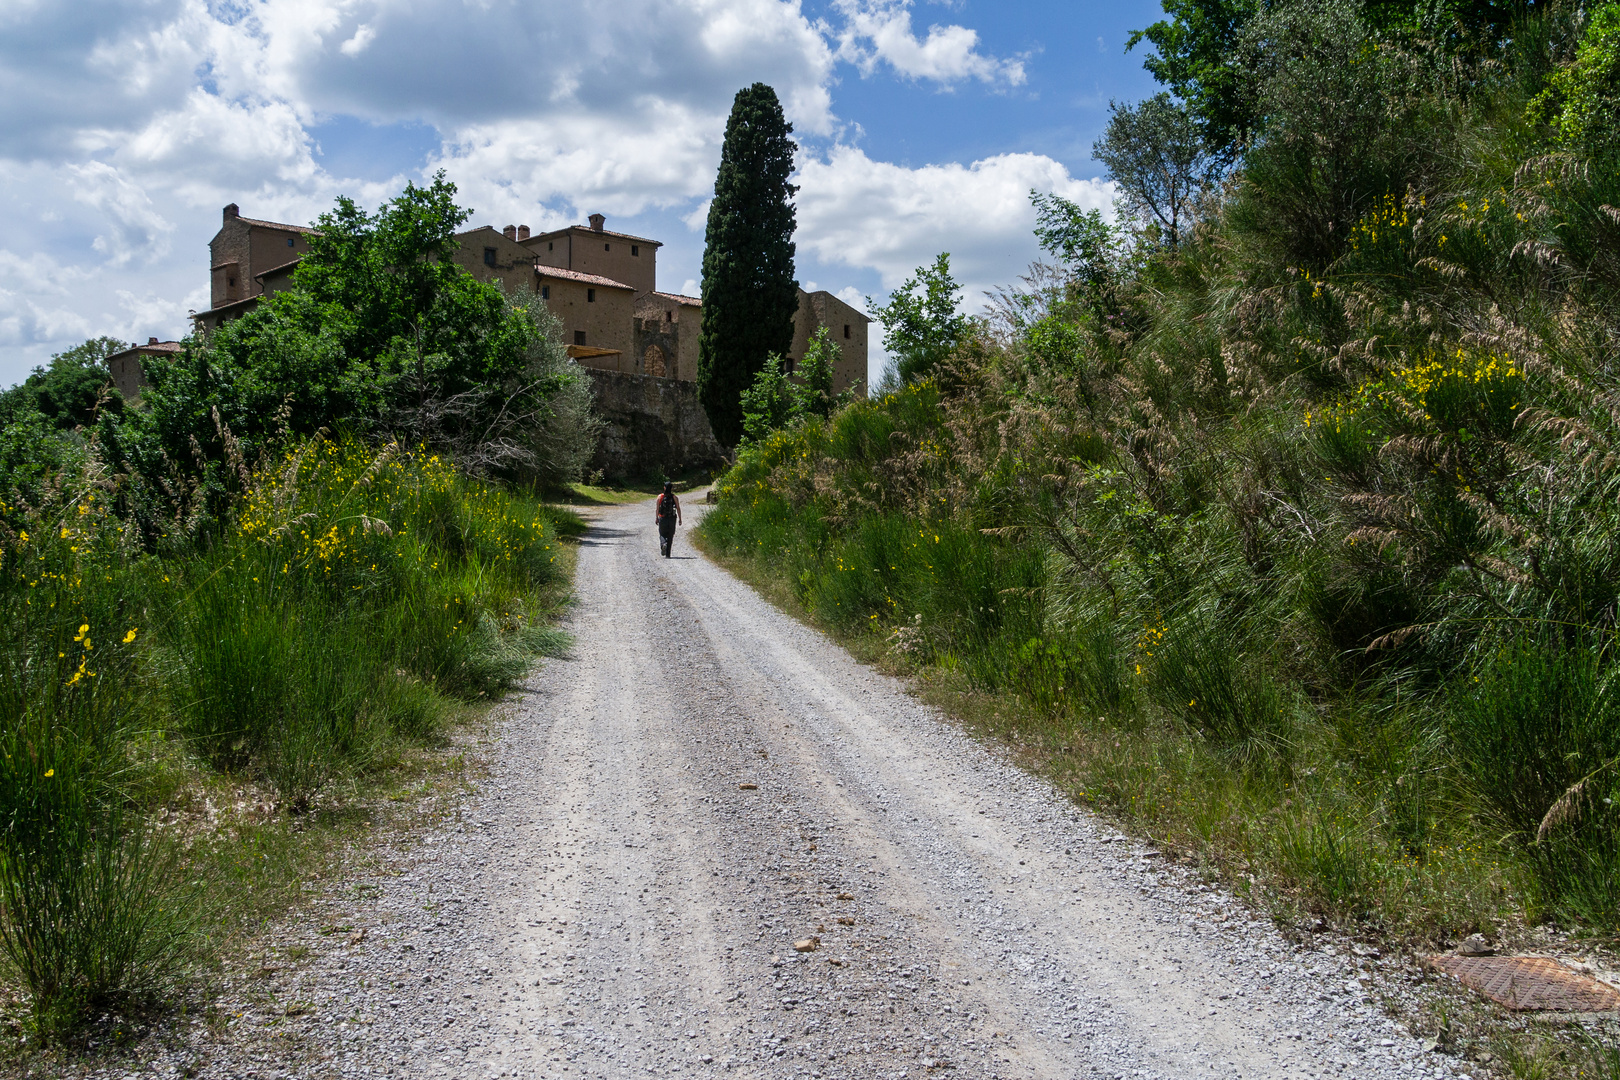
x,y
619,492
191,736
1214,723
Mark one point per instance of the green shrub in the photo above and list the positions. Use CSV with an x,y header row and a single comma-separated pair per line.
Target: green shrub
x,y
355,586
91,906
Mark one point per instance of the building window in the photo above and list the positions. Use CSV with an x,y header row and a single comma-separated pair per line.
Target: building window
x,y
669,316
545,292
607,247
551,245
846,330
489,256
579,337
290,241
635,249
590,296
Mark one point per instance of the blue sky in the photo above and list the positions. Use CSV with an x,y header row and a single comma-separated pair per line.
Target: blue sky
x,y
922,126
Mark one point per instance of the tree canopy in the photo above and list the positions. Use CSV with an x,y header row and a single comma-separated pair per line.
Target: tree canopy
x,y
1158,155
921,322
749,292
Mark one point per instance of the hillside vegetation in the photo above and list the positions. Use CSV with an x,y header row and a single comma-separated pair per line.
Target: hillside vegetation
x,y
280,575
1284,507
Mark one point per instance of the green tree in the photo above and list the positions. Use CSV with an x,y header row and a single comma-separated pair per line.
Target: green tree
x,y
771,402
382,334
1199,53
749,293
922,322
1582,100
1158,156
1088,246
382,331
777,398
815,373
70,390
1197,59
1342,123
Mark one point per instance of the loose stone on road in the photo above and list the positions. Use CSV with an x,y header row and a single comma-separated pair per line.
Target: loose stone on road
x,y
711,843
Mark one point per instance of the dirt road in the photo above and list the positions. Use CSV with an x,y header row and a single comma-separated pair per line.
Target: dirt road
x,y
706,781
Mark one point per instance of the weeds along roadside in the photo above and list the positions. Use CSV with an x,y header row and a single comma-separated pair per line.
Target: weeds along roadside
x,y
1153,672
1232,739
357,602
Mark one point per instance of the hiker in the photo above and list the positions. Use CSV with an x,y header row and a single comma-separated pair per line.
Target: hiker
x,y
667,513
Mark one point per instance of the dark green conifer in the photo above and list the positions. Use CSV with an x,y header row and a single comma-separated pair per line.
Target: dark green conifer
x,y
749,294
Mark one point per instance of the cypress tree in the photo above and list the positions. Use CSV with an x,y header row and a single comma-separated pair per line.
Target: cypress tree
x,y
749,294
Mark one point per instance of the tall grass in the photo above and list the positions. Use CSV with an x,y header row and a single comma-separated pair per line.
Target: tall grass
x,y
1303,549
352,595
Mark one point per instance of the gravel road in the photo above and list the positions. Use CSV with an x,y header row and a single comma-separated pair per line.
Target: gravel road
x,y
706,781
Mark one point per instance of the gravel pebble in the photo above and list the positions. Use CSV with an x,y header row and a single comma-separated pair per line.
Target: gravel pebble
x,y
614,901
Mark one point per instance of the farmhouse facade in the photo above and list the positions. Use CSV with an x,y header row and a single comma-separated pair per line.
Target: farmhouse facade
x,y
600,284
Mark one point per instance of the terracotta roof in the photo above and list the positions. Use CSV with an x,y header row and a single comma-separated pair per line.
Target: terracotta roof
x,y
584,352
278,267
278,225
677,298
225,307
575,275
592,232
149,349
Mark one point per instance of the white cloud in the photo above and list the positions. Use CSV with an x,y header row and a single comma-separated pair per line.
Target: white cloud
x,y
877,31
129,125
850,295
357,44
864,213
131,223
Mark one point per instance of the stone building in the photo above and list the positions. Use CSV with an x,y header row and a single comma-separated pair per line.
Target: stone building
x,y
848,327
239,256
603,288
597,250
601,285
125,367
666,335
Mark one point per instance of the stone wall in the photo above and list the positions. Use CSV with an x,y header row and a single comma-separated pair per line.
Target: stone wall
x,y
651,425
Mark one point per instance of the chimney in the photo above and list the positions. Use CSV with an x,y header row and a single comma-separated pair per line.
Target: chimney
x,y
232,211
523,232
597,221
151,341
510,232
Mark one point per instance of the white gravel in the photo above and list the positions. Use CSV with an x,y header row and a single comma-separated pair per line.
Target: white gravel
x,y
614,904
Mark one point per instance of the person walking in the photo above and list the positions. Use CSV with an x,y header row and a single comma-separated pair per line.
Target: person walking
x,y
667,514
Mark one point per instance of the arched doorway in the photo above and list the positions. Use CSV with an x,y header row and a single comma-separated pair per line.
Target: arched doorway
x,y
652,362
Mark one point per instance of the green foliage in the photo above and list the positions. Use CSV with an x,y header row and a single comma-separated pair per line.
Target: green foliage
x,y
1088,246
352,596
923,322
1198,59
384,334
777,400
749,292
1158,156
821,356
1337,127
70,391
1202,59
1582,100
771,403
1295,544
